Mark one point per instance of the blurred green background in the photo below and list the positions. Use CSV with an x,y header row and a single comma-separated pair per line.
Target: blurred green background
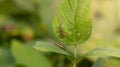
x,y
23,22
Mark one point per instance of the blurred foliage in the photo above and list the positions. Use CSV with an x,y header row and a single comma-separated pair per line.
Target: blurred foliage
x,y
107,62
27,56
6,58
22,20
31,20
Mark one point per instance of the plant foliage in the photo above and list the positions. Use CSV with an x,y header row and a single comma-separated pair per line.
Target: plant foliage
x,y
73,21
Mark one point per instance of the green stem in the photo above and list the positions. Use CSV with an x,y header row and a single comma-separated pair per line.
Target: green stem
x,y
75,55
74,65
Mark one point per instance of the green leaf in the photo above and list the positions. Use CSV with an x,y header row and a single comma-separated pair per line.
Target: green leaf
x,y
73,23
27,56
107,62
6,59
48,47
114,52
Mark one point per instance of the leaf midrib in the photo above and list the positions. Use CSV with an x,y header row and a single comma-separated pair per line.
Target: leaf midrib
x,y
74,17
74,13
75,26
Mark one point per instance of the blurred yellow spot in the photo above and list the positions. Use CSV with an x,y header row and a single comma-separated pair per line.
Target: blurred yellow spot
x,y
118,40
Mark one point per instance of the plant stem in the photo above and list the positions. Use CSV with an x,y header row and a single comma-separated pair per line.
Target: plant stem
x,y
74,65
75,55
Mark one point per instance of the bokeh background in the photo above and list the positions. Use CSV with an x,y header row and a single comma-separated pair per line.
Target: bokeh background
x,y
23,22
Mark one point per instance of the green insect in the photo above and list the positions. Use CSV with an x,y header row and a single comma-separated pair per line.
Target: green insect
x,y
60,45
